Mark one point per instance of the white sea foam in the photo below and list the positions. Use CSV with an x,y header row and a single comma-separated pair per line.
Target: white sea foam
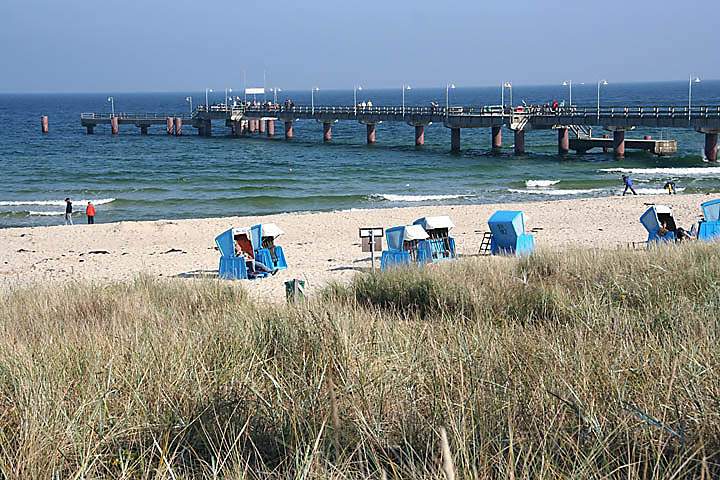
x,y
52,203
653,191
44,214
416,198
554,191
541,183
667,172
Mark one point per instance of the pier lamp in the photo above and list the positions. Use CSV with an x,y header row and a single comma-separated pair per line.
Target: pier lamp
x,y
355,90
568,83
275,92
692,79
227,90
404,87
599,84
447,98
312,99
189,100
207,103
507,85
112,105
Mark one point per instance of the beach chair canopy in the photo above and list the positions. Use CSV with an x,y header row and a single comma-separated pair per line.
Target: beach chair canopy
x,y
435,223
226,240
395,236
264,230
653,215
506,226
711,210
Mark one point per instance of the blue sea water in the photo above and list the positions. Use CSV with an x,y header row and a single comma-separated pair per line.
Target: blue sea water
x,y
133,177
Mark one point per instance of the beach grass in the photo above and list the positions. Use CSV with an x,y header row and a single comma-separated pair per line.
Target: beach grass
x,y
573,364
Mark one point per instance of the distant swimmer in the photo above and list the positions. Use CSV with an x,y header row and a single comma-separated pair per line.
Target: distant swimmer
x,y
90,212
628,185
68,211
670,187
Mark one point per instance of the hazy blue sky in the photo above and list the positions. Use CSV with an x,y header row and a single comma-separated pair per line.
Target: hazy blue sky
x,y
148,45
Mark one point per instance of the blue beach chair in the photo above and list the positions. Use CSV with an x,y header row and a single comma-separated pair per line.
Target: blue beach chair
x,y
659,222
404,247
263,237
709,226
232,263
508,234
440,244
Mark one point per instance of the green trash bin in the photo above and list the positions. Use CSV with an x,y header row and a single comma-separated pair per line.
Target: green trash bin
x,y
294,290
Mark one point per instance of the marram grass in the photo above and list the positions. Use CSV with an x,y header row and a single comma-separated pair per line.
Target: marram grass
x,y
580,364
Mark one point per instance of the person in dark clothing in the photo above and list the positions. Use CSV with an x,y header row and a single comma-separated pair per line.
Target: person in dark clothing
x,y
670,187
68,212
628,185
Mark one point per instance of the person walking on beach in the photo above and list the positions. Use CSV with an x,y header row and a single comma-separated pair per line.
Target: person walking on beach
x,y
90,212
628,185
68,212
670,187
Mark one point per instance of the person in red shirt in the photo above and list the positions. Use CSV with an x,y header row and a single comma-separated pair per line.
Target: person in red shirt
x,y
90,212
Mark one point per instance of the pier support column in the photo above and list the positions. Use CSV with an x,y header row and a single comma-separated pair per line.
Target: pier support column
x,y
143,129
114,125
711,146
419,135
497,138
327,131
261,126
371,135
563,140
619,143
604,149
170,125
289,133
519,142
254,125
270,128
178,127
454,139
44,124
90,129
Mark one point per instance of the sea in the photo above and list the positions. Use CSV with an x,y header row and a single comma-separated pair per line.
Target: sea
x,y
134,177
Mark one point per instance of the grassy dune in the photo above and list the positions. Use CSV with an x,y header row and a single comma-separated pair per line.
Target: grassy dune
x,y
579,364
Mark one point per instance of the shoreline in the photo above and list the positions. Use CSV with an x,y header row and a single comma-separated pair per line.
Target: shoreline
x,y
320,246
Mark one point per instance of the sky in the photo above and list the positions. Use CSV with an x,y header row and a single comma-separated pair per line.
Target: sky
x,y
183,45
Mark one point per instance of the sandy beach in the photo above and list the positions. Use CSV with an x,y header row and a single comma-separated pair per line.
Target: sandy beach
x,y
320,247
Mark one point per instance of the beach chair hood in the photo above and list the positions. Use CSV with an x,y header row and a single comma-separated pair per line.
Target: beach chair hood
x,y
395,236
433,223
650,220
264,230
226,243
506,226
711,210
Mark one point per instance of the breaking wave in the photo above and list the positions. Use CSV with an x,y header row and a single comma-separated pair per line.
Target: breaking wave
x,y
415,198
554,191
540,183
667,172
52,203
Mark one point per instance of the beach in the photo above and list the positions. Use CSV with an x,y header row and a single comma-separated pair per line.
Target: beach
x,y
320,247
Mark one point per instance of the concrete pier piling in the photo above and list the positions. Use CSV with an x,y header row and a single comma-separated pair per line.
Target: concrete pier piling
x,y
178,126
419,135
619,143
327,131
169,125
90,129
44,124
261,126
454,139
371,134
114,125
563,140
289,132
270,128
144,129
519,142
711,146
496,133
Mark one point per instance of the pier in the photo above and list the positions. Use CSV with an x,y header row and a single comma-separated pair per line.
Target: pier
x,y
245,120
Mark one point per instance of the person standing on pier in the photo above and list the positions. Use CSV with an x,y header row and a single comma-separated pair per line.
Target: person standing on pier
x,y
68,211
628,185
90,212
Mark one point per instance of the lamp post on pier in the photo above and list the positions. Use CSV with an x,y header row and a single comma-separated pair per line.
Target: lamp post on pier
x,y
112,105
312,99
690,84
507,85
404,87
275,92
189,100
355,103
447,98
568,83
207,103
227,90
599,84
